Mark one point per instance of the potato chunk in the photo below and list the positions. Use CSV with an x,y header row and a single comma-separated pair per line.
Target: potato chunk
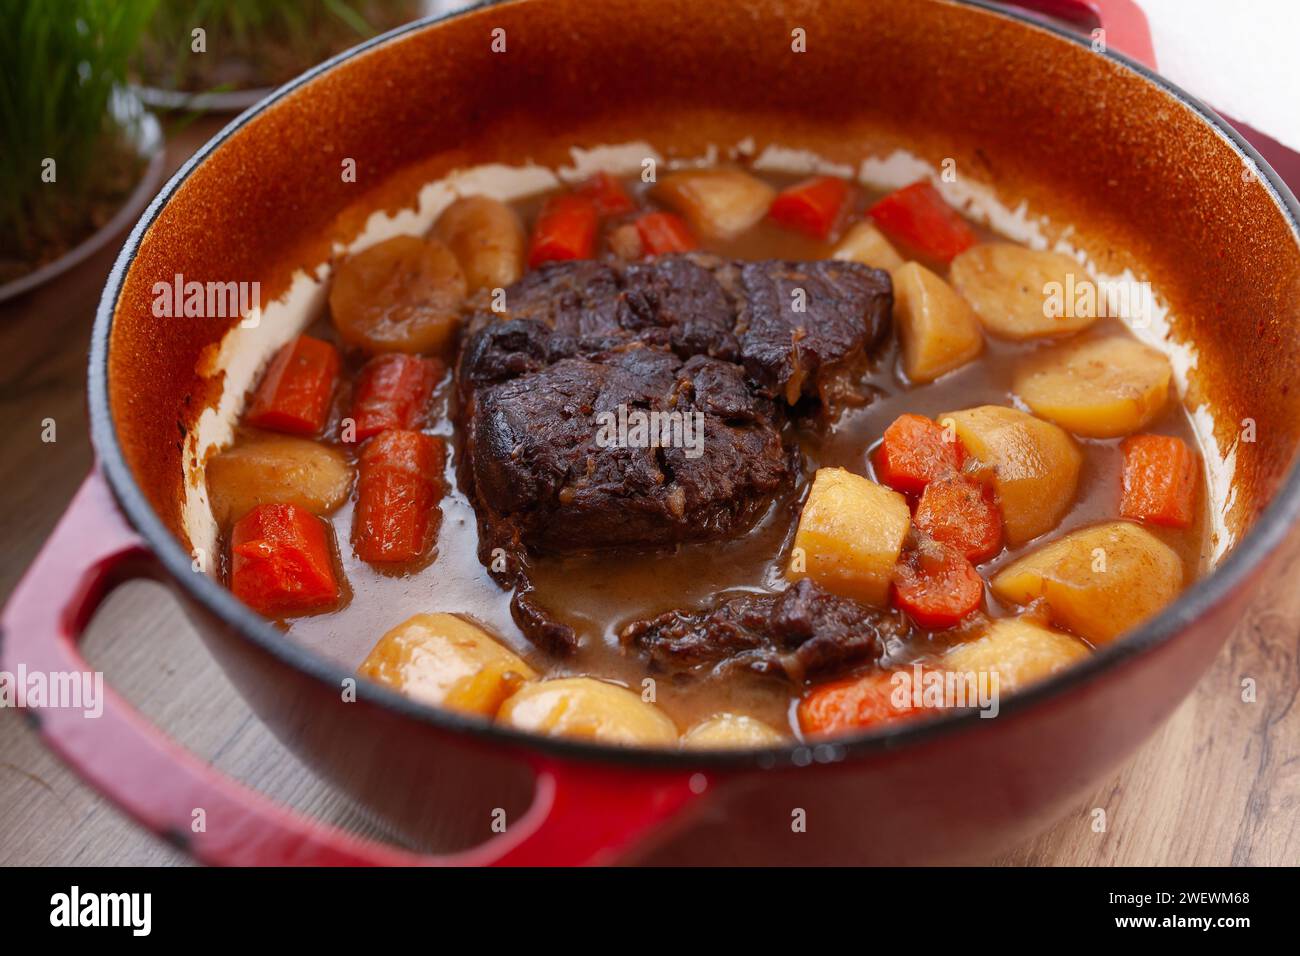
x,y
1009,288
400,295
487,239
849,536
866,244
294,471
718,203
1018,650
1102,388
590,709
445,660
726,731
1098,582
938,330
1035,465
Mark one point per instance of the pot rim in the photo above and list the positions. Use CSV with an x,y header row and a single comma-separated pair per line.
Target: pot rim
x,y
1269,529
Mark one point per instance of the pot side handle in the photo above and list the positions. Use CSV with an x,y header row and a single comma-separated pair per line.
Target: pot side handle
x,y
1123,20
580,813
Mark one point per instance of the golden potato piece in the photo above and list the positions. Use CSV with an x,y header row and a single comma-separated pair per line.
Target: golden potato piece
x,y
1101,388
728,731
1035,465
937,329
866,244
295,471
850,533
1010,288
590,709
400,295
718,203
445,660
1018,650
487,239
1097,582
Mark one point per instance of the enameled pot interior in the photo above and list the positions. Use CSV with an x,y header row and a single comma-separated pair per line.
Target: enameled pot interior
x,y
1130,171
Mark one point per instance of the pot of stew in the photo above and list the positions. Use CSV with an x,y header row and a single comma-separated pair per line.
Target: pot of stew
x,y
666,432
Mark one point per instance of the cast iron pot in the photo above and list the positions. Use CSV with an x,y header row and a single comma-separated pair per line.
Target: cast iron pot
x,y
1145,173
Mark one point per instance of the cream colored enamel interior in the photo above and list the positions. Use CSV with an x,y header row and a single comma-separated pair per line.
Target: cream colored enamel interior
x,y
242,353
245,350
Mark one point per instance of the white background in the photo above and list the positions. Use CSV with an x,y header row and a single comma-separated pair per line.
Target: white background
x,y
1242,57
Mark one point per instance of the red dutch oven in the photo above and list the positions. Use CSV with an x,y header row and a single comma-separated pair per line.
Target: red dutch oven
x,y
1088,136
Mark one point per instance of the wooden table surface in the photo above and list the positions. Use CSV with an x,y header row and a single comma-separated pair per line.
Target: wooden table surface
x,y
1219,784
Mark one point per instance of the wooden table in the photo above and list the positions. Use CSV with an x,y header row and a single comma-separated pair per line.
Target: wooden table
x,y
1218,785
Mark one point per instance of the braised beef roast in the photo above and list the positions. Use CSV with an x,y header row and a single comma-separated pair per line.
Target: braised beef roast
x,y
707,357
540,462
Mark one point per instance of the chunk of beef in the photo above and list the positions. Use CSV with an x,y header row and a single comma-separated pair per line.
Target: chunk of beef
x,y
791,324
503,350
543,452
577,302
643,405
800,632
681,297
803,322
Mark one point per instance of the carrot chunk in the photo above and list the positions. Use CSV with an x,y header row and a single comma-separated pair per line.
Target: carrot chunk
x,y
608,194
1159,484
854,704
393,392
295,391
936,585
962,513
915,451
399,485
662,232
917,216
280,561
565,229
814,206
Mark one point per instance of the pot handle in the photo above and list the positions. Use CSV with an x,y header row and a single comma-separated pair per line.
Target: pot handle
x,y
580,813
1123,20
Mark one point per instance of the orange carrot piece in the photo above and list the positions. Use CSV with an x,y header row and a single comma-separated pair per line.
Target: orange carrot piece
x,y
393,391
295,391
854,704
814,206
281,562
565,229
962,513
936,586
399,485
662,232
918,217
607,193
1159,483
915,451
